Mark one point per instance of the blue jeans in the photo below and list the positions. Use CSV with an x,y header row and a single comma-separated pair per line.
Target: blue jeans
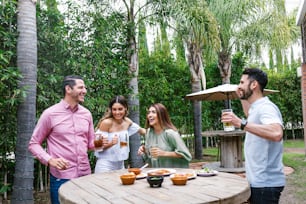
x,y
55,184
265,195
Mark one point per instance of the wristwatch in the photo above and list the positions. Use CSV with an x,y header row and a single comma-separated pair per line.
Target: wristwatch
x,y
244,122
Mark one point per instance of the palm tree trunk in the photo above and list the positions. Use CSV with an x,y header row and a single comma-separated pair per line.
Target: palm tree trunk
x,y
197,115
133,100
27,63
225,66
194,58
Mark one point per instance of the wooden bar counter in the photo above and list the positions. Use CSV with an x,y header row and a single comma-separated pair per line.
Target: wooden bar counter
x,y
107,188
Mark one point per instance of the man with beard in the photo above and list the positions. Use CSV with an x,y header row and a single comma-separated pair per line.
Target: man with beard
x,y
263,145
68,129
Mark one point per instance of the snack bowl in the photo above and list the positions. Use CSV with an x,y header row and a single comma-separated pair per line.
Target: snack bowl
x,y
155,173
179,179
128,179
136,171
155,180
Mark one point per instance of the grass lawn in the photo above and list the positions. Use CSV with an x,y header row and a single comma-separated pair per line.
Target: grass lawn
x,y
211,153
294,144
296,181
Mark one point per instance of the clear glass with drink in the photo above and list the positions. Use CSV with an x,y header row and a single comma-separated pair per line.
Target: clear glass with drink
x,y
98,142
124,141
154,160
228,126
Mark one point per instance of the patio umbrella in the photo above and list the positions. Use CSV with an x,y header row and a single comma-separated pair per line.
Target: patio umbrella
x,y
219,93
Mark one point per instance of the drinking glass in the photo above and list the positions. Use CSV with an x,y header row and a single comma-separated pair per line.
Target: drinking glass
x,y
228,126
124,141
154,160
98,142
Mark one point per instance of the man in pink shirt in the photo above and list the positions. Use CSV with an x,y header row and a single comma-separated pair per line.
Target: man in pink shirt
x,y
68,128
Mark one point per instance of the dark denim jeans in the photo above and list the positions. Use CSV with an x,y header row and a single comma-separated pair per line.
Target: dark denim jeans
x,y
55,184
265,195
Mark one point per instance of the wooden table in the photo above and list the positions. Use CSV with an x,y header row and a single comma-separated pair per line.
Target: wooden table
x,y
107,188
231,159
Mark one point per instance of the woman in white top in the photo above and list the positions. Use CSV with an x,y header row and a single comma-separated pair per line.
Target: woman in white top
x,y
116,129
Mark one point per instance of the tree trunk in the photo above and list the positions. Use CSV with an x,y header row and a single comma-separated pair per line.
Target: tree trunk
x,y
225,68
133,100
27,63
197,115
194,57
224,65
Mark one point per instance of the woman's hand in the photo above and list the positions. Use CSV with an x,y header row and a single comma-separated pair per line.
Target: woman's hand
x,y
115,139
156,152
107,144
141,150
104,141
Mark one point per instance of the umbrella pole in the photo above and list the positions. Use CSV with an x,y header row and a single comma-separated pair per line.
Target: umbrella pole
x,y
227,102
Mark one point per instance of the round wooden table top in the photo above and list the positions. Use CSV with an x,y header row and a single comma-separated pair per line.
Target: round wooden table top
x,y
107,188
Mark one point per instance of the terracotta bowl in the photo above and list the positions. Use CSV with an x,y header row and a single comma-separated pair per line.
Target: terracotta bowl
x,y
155,181
179,180
136,171
128,179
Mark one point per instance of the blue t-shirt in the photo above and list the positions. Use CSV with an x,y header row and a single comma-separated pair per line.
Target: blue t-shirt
x,y
263,158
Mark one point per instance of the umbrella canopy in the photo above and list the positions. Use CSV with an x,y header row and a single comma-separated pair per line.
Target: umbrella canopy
x,y
221,92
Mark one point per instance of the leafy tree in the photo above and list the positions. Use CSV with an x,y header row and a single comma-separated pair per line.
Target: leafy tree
x,y
289,97
230,16
250,27
268,28
163,79
53,52
133,12
100,57
195,24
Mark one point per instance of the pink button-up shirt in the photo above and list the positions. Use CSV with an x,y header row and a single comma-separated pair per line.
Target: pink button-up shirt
x,y
69,134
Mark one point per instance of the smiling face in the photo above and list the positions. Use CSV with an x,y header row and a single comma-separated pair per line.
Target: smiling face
x,y
118,111
152,117
245,87
77,92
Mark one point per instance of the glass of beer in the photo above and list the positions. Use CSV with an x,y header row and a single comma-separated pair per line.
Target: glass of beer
x,y
98,142
124,141
228,126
